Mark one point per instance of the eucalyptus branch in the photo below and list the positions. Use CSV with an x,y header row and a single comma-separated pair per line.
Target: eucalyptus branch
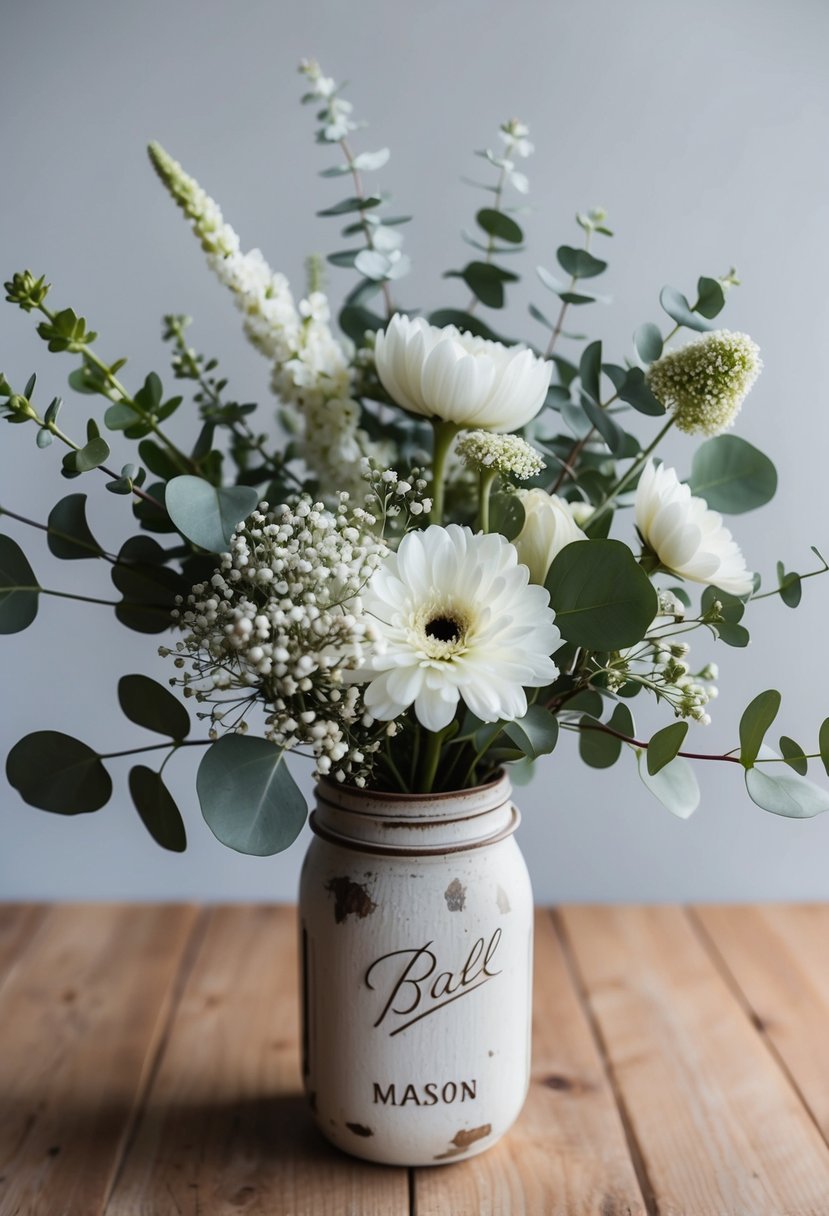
x,y
636,466
490,244
642,745
800,577
562,312
93,549
172,744
359,193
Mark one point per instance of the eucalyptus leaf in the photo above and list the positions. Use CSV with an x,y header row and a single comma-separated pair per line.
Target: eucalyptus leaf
x,y
783,792
506,515
610,431
794,755
159,813
579,263
536,734
602,598
58,773
632,388
467,322
732,476
206,514
675,785
91,455
664,746
352,204
823,743
647,342
710,297
19,588
495,223
248,798
597,748
149,704
679,310
756,720
69,536
590,370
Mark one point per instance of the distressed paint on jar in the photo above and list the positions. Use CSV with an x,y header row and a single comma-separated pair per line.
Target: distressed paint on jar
x,y
416,948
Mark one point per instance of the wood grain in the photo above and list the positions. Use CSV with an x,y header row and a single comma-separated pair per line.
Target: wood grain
x,y
82,1012
18,925
226,1128
720,1129
566,1155
779,958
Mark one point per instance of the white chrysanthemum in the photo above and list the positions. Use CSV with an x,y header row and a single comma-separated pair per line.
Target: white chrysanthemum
x,y
456,617
689,539
705,383
447,374
548,527
509,455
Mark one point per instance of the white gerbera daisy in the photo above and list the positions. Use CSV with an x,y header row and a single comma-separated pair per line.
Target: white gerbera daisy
x,y
689,539
456,616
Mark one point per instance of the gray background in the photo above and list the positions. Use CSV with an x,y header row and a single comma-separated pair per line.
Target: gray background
x,y
701,128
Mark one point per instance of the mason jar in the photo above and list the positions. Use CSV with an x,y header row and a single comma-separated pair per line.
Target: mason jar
x,y
416,955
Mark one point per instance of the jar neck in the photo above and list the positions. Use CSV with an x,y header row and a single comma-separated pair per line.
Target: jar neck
x,y
415,823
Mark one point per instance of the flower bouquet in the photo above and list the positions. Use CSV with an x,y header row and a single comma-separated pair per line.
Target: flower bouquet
x,y
439,552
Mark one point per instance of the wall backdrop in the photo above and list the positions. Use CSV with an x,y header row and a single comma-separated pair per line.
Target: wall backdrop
x,y
701,128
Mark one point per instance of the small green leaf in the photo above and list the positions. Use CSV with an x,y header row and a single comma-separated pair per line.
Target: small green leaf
x,y
55,772
664,746
590,370
632,389
495,223
91,455
794,755
579,263
248,798
710,297
790,585
159,813
610,431
679,310
151,705
486,281
732,476
356,321
601,596
19,588
675,785
120,417
647,342
536,734
69,535
352,204
597,748
823,743
506,515
207,515
756,720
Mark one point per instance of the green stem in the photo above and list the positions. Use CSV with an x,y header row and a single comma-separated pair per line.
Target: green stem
x,y
431,759
628,477
777,590
94,550
444,434
485,482
395,771
490,244
360,193
154,747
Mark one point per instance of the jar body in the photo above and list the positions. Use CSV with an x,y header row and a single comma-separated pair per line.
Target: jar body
x,y
416,986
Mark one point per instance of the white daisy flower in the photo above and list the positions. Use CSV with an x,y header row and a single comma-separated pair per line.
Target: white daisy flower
x,y
469,381
456,617
689,539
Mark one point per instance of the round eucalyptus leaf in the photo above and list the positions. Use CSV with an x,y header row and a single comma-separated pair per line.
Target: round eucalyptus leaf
x,y
248,798
732,475
794,755
149,704
779,790
601,596
596,747
536,734
207,514
579,263
69,535
664,746
92,454
506,514
58,773
18,588
679,310
675,785
710,297
647,342
823,743
495,223
159,813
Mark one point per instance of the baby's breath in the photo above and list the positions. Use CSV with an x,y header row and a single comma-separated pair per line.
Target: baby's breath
x,y
705,383
509,455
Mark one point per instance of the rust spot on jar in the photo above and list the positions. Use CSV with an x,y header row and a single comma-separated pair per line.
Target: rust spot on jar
x,y
350,899
455,896
359,1129
463,1139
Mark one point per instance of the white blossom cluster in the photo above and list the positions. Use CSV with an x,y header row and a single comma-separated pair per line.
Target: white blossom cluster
x,y
705,383
280,622
509,455
661,666
392,497
312,369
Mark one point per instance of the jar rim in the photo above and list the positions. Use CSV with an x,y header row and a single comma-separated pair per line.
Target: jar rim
x,y
501,777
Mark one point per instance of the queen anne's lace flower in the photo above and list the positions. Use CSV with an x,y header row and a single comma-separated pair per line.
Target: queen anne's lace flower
x,y
447,374
456,618
705,383
282,615
509,455
688,539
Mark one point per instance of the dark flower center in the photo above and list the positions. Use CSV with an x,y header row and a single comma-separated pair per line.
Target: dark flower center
x,y
443,629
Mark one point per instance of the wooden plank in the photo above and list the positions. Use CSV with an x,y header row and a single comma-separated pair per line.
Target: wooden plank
x,y
18,925
81,1014
225,1127
719,1127
566,1155
778,955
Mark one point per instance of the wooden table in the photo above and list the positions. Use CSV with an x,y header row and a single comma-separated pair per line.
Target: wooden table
x,y
149,1067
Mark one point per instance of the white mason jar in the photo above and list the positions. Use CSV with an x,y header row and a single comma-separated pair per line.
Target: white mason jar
x,y
416,949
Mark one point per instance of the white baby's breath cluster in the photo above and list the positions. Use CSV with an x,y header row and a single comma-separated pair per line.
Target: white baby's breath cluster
x,y
312,368
280,622
661,665
509,455
705,383
390,497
